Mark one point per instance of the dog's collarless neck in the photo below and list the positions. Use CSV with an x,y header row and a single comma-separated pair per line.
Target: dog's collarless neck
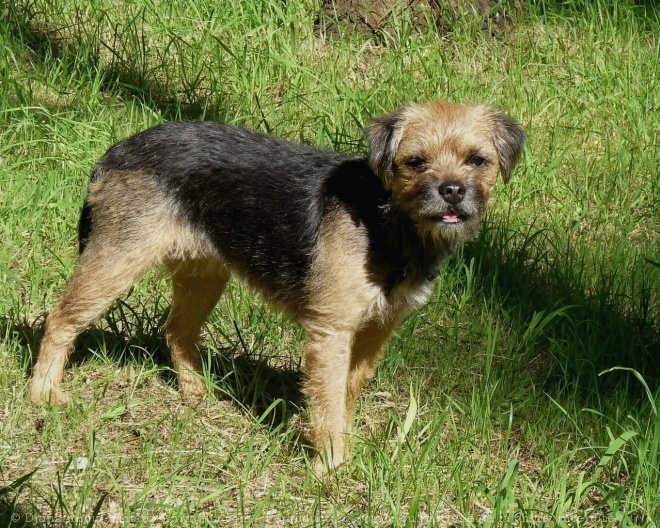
x,y
392,235
411,257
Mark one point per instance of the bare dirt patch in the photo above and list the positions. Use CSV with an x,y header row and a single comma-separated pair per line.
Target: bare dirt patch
x,y
379,17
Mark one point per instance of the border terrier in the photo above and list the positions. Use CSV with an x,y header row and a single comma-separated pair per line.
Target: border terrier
x,y
347,246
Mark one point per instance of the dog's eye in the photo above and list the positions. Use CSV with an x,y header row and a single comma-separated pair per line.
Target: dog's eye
x,y
416,162
477,161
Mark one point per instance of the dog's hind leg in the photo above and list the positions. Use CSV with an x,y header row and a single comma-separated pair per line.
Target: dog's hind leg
x,y
102,274
197,285
131,227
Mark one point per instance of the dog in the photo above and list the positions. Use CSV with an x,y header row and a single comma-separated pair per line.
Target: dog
x,y
346,245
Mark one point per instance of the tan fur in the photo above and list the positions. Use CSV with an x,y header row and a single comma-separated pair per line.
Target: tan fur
x,y
197,286
347,307
110,265
342,301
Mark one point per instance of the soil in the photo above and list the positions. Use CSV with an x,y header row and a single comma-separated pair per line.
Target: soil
x,y
376,17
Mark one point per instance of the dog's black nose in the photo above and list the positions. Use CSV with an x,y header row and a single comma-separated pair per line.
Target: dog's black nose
x,y
452,192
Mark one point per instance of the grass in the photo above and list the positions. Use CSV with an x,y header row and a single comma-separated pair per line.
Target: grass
x,y
524,394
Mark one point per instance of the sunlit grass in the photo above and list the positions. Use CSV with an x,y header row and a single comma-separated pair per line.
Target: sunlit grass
x,y
526,390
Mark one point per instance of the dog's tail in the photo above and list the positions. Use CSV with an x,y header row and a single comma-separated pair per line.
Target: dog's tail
x,y
84,226
85,222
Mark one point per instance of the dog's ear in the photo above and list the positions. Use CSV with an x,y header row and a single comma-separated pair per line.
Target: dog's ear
x,y
509,138
383,135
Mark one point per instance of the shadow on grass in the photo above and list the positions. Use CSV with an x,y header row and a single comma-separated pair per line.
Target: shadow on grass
x,y
14,515
246,377
12,511
609,313
125,73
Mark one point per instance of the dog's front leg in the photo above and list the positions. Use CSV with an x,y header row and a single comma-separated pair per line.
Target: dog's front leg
x,y
327,358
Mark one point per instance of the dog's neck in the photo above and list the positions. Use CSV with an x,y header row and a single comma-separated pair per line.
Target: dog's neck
x,y
414,259
404,254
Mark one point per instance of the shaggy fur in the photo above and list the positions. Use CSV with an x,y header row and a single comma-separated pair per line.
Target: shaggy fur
x,y
345,245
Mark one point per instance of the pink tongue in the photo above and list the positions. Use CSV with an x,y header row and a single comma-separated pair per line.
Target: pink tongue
x,y
450,218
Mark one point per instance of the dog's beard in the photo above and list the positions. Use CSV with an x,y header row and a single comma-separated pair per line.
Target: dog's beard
x,y
451,233
444,224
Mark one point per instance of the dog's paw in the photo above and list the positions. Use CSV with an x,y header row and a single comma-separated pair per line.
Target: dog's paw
x,y
322,466
43,393
192,388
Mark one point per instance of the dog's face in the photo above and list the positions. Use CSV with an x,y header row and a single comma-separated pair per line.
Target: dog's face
x,y
441,161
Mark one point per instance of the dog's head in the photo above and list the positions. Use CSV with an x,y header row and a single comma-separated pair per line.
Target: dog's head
x,y
441,161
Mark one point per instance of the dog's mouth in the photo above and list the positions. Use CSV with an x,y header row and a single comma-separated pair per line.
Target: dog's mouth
x,y
450,217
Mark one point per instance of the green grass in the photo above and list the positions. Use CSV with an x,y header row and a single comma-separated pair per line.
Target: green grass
x,y
524,394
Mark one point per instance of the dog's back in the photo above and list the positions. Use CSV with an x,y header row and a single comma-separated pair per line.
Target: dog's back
x,y
221,180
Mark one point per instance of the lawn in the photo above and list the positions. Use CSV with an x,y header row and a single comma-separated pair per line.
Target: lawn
x,y
525,393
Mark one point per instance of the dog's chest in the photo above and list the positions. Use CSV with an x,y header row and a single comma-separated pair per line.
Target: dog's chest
x,y
410,294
